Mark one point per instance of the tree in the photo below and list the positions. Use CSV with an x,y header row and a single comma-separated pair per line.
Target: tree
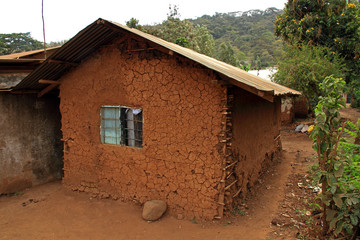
x,y
133,23
18,42
203,41
331,23
182,42
55,44
226,53
246,67
305,68
184,33
252,32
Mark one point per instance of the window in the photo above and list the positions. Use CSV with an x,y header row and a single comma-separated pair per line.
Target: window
x,y
121,125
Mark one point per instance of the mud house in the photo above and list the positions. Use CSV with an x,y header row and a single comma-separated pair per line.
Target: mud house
x,y
30,146
145,119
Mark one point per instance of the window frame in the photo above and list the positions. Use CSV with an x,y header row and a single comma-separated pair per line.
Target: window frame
x,y
122,127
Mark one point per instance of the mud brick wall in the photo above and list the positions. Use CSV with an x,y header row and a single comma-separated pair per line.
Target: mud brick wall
x,y
30,146
256,137
179,161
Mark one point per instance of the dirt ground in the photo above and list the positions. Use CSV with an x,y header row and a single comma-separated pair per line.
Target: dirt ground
x,y
277,208
52,212
352,114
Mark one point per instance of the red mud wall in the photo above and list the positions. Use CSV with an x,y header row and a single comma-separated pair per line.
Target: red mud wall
x,y
178,163
256,140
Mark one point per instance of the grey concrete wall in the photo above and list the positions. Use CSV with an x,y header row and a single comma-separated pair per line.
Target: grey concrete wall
x,y
30,141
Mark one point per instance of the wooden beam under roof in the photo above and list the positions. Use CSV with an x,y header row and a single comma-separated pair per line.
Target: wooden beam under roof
x,y
46,90
267,95
24,91
49,88
43,81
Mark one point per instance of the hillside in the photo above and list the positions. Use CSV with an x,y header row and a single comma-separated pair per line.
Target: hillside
x,y
252,32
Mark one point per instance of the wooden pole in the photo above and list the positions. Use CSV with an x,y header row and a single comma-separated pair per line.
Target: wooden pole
x,y
43,81
43,21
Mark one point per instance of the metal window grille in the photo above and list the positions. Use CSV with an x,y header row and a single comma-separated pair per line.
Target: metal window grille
x,y
121,126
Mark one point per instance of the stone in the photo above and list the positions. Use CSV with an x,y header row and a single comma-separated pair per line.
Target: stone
x,y
153,210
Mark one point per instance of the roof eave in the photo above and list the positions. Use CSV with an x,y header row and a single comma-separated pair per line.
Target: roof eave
x,y
102,31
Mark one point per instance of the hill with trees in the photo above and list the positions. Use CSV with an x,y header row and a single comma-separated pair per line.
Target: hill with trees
x,y
237,38
251,33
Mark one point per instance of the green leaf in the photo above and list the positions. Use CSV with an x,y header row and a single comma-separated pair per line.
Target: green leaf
x,y
348,228
339,227
340,171
333,223
325,199
331,180
330,214
333,189
355,200
337,165
354,220
338,201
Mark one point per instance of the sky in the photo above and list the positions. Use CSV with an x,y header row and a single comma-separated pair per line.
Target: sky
x,y
65,18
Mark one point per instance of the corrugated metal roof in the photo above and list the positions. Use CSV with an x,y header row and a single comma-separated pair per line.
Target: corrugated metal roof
x,y
26,54
20,61
103,31
18,66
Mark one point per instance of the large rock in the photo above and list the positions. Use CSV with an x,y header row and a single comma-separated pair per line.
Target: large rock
x,y
153,210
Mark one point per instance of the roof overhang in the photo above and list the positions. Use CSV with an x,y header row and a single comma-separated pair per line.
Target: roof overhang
x,y
102,32
34,54
19,65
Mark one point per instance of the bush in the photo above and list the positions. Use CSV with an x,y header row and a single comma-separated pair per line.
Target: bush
x,y
337,145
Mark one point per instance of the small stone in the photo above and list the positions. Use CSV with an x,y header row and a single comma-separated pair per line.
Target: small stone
x,y
290,195
153,210
276,222
180,216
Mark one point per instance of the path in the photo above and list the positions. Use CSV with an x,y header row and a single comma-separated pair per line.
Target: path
x,y
52,212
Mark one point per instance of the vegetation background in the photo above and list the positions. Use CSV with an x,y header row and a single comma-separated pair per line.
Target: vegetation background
x,y
238,37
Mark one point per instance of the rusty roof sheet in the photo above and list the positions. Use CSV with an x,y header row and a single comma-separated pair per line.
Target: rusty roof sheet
x,y
26,54
102,31
19,61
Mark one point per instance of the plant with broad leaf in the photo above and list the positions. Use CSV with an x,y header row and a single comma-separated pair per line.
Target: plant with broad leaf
x,y
338,152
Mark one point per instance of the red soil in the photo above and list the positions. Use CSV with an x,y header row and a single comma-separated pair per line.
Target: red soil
x,y
52,212
272,211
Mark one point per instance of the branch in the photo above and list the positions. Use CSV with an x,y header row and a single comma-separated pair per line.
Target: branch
x,y
334,152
